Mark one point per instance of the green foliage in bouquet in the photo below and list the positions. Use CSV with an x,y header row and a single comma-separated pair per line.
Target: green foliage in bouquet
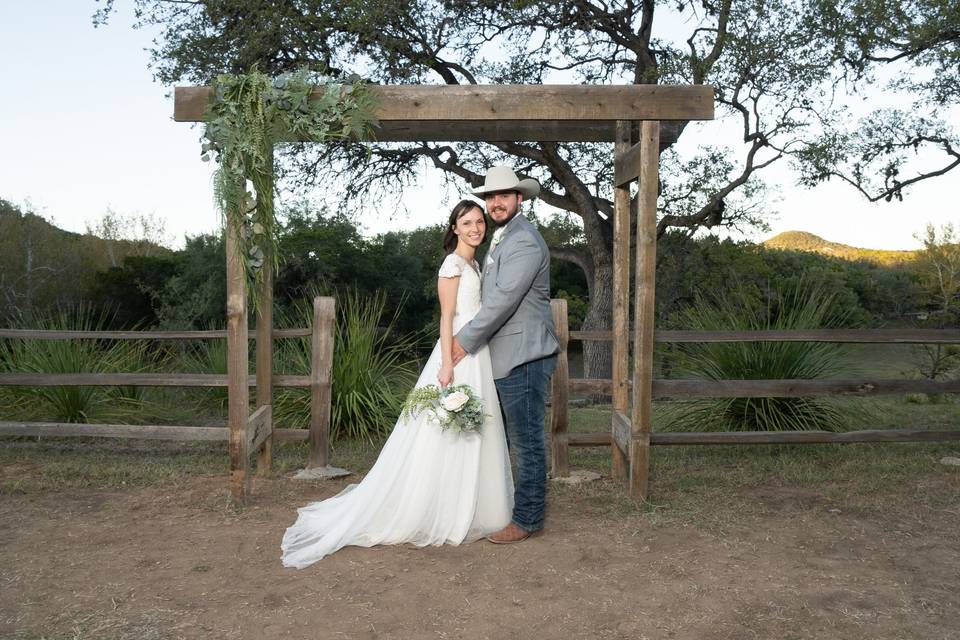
x,y
455,407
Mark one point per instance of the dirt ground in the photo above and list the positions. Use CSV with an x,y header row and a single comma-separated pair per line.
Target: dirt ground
x,y
178,562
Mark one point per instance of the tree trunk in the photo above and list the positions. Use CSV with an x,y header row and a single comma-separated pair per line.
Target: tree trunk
x,y
597,356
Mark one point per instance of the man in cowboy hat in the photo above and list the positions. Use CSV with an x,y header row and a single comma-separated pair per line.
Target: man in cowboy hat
x,y
515,321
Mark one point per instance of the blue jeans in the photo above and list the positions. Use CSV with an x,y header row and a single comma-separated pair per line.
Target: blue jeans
x,y
523,396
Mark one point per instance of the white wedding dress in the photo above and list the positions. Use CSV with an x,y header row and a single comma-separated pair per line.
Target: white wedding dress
x,y
429,486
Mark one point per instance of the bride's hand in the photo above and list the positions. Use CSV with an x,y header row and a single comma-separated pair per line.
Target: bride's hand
x,y
445,377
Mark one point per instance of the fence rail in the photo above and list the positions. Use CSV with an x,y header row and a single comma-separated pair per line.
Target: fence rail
x,y
621,434
181,433
772,437
874,336
43,334
258,430
137,380
688,388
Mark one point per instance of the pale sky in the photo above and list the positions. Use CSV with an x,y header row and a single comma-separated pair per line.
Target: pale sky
x,y
83,128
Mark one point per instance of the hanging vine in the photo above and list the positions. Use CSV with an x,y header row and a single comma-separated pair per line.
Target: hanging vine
x,y
248,115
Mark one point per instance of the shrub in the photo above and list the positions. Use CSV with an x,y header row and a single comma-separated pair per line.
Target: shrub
x,y
373,369
802,306
74,403
209,357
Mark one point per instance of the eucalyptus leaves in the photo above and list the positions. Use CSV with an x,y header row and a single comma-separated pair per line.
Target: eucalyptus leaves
x,y
251,113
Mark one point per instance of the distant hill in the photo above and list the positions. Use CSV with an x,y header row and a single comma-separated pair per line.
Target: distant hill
x,y
803,241
43,266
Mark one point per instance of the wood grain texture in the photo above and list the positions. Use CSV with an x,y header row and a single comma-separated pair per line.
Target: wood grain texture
x,y
774,388
600,439
137,380
621,433
321,369
39,334
494,131
643,307
865,336
237,365
264,361
798,388
524,103
620,367
259,427
560,388
132,431
626,169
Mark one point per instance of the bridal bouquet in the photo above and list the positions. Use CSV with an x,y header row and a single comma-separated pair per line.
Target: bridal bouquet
x,y
456,407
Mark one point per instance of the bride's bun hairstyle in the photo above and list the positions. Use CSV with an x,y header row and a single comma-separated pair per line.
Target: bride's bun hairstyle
x,y
459,210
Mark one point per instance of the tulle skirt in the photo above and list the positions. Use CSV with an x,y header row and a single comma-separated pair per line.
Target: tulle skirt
x,y
428,486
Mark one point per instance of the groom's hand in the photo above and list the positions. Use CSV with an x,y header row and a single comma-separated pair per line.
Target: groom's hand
x,y
459,353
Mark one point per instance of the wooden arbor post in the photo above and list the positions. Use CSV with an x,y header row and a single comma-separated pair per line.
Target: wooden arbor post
x,y
248,433
238,404
264,357
631,436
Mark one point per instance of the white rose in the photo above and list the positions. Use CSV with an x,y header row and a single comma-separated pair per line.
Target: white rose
x,y
455,401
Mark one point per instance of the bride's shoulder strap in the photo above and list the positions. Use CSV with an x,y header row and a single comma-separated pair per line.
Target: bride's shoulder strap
x,y
452,266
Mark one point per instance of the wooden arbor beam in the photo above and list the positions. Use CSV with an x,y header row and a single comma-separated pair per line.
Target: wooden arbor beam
x,y
494,113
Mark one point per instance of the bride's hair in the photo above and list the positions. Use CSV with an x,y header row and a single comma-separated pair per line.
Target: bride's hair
x,y
460,210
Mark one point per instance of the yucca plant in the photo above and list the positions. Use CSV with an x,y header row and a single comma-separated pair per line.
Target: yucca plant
x,y
74,403
208,357
800,306
373,369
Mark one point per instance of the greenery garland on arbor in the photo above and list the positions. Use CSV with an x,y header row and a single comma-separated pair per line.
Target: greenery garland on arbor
x,y
249,114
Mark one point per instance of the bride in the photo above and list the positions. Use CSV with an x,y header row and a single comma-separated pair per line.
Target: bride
x,y
429,486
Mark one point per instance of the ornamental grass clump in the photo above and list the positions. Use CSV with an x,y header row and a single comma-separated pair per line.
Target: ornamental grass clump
x,y
208,357
373,369
800,306
76,404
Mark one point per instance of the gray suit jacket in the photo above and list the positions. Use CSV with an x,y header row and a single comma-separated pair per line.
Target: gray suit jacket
x,y
514,317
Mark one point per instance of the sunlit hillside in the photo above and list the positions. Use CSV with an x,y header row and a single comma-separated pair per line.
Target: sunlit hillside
x,y
804,241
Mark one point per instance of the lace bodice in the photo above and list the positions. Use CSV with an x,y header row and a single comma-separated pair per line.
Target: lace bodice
x,y
468,293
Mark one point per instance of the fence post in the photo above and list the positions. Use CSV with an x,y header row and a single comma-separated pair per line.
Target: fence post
x,y
321,370
559,447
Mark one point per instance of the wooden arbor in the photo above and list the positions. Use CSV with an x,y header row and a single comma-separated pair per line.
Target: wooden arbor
x,y
533,113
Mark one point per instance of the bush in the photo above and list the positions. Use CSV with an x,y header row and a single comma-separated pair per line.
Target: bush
x,y
800,307
373,369
209,357
73,403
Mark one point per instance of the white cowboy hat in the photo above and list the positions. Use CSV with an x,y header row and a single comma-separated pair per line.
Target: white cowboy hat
x,y
504,179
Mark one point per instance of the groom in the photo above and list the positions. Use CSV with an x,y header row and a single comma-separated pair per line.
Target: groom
x,y
515,320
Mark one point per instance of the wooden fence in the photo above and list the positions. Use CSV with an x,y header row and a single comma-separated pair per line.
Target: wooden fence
x,y
259,433
620,432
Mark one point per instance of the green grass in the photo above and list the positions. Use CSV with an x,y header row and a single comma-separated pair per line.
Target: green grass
x,y
30,465
711,487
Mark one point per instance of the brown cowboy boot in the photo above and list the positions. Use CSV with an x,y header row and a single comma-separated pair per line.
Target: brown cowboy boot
x,y
512,533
